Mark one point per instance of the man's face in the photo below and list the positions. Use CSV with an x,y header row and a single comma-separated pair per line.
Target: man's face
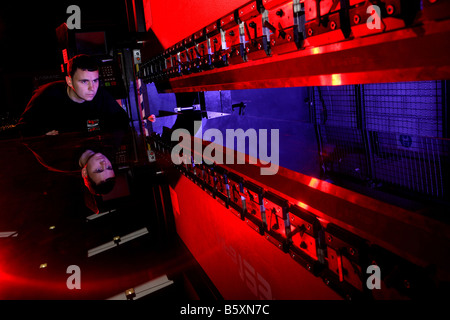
x,y
84,85
99,168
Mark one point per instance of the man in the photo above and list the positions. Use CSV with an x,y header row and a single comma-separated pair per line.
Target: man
x,y
75,153
97,172
77,104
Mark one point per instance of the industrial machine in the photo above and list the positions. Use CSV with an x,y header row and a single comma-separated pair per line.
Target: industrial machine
x,y
358,92
299,149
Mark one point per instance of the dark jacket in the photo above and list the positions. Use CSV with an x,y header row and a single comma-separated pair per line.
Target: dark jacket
x,y
50,108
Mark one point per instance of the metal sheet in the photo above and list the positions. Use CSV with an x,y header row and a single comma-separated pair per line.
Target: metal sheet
x,y
404,55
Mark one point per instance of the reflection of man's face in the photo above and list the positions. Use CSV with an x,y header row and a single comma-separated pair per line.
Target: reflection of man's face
x,y
83,85
99,168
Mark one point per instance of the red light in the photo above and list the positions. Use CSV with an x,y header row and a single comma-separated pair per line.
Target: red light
x,y
303,205
314,183
65,57
336,79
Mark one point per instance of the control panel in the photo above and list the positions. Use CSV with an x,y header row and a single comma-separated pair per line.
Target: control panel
x,y
111,79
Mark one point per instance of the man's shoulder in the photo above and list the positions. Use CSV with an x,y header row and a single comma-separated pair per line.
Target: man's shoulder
x,y
52,88
47,94
105,99
103,93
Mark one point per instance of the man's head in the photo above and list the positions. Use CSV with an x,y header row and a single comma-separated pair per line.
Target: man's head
x,y
82,78
98,174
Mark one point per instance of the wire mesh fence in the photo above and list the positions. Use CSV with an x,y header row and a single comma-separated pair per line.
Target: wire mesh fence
x,y
393,133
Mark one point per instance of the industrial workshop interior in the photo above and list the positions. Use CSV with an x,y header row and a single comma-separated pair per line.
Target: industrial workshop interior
x,y
280,150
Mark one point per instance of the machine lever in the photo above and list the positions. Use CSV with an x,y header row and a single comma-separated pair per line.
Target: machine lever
x,y
268,25
281,32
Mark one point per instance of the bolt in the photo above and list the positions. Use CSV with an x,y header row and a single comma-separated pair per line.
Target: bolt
x,y
310,32
390,9
356,19
333,25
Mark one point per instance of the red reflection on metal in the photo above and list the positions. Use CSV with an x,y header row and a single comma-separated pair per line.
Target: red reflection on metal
x,y
14,284
314,183
315,50
241,263
303,205
174,20
148,14
94,285
336,79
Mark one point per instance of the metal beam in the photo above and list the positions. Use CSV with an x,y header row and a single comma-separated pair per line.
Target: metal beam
x,y
413,54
